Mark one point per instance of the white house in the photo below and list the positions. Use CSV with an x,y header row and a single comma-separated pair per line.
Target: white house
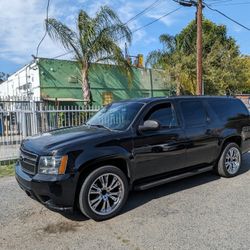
x,y
23,83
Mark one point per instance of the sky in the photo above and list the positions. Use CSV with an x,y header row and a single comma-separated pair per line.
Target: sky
x,y
22,25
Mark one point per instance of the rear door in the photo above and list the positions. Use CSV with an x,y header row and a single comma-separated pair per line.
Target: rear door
x,y
161,151
233,119
201,142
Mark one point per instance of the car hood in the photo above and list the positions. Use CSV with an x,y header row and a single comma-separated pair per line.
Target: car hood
x,y
59,138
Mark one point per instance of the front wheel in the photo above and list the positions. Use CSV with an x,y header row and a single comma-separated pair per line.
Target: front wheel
x,y
103,193
230,160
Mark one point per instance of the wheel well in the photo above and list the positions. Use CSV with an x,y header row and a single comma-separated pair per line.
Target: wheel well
x,y
88,168
235,139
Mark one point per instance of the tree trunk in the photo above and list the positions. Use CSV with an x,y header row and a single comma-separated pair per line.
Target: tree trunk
x,y
85,85
178,85
178,88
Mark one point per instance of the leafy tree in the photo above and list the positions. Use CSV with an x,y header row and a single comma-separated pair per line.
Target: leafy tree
x,y
245,64
94,41
222,66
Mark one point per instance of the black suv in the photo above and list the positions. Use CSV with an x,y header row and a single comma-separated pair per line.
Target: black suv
x,y
135,144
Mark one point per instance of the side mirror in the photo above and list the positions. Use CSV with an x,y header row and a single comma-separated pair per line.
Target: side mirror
x,y
149,125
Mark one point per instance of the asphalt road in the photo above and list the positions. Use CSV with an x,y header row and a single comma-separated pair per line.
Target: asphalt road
x,y
201,212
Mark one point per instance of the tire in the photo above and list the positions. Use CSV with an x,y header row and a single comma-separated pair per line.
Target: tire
x,y
95,193
230,161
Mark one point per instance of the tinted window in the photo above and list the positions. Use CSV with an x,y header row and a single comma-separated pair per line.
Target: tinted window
x,y
116,116
164,114
228,109
194,113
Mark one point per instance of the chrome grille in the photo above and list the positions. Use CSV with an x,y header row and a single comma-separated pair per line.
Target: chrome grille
x,y
28,161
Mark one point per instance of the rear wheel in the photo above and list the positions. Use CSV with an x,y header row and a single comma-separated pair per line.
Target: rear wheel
x,y
230,160
103,193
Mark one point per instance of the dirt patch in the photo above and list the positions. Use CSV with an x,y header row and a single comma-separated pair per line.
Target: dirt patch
x,y
61,227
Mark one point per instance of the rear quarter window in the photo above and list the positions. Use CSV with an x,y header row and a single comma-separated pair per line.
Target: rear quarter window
x,y
228,109
194,113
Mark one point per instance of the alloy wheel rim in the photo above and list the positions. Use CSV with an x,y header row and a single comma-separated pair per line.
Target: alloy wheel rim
x,y
105,194
232,160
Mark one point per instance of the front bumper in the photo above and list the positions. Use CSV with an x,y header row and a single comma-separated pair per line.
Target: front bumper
x,y
56,192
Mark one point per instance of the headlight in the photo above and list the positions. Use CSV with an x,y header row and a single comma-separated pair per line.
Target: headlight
x,y
52,164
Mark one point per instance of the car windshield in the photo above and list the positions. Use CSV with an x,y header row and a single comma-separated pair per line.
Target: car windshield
x,y
116,116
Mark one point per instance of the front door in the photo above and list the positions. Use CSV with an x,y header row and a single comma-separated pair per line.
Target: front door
x,y
161,151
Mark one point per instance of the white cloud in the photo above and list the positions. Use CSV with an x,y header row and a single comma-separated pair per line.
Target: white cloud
x,y
163,8
22,25
237,28
130,9
22,28
93,6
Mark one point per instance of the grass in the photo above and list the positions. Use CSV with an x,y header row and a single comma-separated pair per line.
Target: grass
x,y
7,170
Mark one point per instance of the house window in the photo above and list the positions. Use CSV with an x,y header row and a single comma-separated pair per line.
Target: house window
x,y
107,97
73,79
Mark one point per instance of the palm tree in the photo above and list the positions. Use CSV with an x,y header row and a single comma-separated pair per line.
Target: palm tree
x,y
167,58
95,40
164,57
175,62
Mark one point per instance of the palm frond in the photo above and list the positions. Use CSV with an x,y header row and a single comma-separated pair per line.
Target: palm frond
x,y
168,41
83,21
112,54
155,58
113,34
96,40
104,17
60,32
107,20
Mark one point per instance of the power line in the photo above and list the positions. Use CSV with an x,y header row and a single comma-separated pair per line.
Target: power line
x,y
64,54
142,12
134,31
167,14
229,4
220,1
128,21
231,19
47,16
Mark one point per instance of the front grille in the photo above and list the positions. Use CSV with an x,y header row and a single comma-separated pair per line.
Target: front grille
x,y
28,161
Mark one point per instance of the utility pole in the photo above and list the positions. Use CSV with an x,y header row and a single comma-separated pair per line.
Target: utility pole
x,y
199,90
199,6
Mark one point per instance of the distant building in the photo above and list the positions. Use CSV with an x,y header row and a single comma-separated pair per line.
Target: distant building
x,y
25,82
59,80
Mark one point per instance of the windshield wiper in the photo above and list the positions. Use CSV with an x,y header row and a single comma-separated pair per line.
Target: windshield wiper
x,y
99,126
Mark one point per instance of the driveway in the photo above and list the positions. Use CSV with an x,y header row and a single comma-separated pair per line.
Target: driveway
x,y
201,212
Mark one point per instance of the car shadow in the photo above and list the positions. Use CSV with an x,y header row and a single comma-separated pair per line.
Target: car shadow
x,y
76,215
140,198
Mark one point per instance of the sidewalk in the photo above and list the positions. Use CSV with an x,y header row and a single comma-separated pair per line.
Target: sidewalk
x,y
9,152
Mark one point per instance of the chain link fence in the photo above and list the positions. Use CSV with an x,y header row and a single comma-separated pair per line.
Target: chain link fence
x,y
21,118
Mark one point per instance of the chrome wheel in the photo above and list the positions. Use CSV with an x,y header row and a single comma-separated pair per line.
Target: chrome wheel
x,y
105,194
233,160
